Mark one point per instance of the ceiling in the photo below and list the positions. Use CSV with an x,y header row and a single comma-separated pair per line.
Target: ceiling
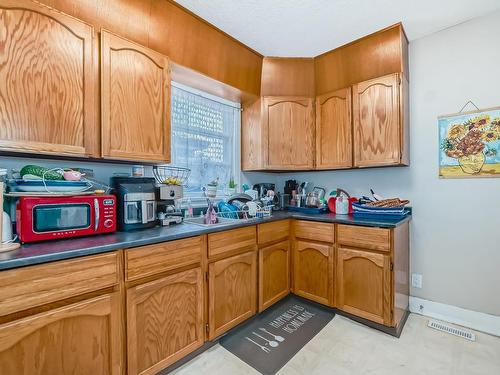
x,y
308,28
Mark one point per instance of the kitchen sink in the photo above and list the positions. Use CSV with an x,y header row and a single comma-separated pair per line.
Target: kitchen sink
x,y
221,221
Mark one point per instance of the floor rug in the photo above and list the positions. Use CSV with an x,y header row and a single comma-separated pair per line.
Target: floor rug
x,y
269,340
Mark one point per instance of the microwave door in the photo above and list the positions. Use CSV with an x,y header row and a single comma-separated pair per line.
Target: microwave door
x,y
52,218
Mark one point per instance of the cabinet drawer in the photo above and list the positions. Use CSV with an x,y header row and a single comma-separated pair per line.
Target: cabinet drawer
x,y
28,287
271,232
364,237
314,231
152,259
231,240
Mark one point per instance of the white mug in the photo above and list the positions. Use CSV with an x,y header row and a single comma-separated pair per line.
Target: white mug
x,y
252,208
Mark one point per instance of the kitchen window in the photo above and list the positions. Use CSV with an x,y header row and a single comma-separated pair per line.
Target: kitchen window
x,y
205,138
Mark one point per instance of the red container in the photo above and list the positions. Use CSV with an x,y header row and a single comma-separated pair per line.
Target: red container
x,y
332,201
50,218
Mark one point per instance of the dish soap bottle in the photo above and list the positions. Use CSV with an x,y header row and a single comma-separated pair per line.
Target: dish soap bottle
x,y
190,208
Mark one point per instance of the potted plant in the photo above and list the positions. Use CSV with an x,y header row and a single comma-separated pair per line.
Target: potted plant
x,y
468,142
211,188
231,186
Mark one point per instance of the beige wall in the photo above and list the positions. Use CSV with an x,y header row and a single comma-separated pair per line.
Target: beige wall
x,y
455,233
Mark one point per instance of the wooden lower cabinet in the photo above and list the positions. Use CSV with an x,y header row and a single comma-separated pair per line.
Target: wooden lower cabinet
x,y
274,273
81,338
232,291
164,321
364,284
313,271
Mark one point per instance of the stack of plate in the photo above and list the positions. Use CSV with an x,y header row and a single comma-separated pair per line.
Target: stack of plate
x,y
48,186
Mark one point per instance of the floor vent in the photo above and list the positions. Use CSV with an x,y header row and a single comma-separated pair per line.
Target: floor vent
x,y
460,332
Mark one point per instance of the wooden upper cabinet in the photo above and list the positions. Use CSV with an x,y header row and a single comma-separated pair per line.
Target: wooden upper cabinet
x,y
364,284
232,292
289,125
334,130
81,338
378,126
164,321
135,101
252,140
46,81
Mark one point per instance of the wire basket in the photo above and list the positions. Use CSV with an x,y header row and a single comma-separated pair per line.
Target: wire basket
x,y
163,173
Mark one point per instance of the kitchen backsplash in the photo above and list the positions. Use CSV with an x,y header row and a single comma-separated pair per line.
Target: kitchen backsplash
x,y
355,182
104,170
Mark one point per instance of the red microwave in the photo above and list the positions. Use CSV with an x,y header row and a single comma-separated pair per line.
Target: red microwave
x,y
50,218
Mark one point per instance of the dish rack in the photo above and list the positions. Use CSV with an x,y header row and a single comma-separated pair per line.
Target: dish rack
x,y
245,215
164,172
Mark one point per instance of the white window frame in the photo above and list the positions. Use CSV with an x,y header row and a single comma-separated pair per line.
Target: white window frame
x,y
197,199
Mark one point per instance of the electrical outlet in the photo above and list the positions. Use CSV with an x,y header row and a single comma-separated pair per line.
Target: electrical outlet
x,y
416,280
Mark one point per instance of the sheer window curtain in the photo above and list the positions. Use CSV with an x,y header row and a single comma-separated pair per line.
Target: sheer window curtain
x,y
205,138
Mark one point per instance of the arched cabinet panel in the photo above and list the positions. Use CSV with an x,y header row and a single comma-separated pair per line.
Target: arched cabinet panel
x,y
274,273
81,338
164,321
46,81
135,101
289,132
364,284
378,134
232,291
313,271
334,130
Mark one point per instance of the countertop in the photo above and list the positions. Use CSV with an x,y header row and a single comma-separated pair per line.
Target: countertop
x,y
49,251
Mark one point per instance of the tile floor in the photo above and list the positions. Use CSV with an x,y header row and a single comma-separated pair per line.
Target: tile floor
x,y
346,347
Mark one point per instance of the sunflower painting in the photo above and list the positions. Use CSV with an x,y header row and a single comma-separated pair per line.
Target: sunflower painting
x,y
470,144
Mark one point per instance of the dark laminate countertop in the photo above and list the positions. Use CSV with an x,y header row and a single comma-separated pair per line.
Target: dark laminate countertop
x,y
43,252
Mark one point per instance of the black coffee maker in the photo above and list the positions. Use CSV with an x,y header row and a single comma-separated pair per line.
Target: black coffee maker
x,y
136,202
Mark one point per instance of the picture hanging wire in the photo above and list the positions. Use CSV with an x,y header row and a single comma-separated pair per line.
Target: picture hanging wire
x,y
466,104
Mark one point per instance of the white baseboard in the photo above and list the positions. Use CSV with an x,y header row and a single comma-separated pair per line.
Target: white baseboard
x,y
467,318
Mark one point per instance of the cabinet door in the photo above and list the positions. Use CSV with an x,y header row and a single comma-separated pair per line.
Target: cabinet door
x,y
313,271
253,155
364,284
232,292
274,274
334,130
46,81
377,126
135,101
289,124
81,338
164,321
